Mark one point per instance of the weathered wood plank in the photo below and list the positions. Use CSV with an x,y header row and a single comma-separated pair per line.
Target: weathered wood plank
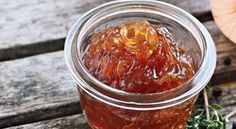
x,y
226,55
78,122
25,22
69,122
223,99
36,88
218,94
224,94
41,86
33,27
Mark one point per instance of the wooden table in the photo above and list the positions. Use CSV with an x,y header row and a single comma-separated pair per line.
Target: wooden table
x,y
37,91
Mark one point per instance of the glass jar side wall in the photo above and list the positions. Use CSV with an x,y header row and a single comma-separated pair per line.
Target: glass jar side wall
x,y
103,116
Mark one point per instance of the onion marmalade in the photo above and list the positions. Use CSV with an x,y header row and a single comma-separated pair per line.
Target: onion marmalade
x,y
137,57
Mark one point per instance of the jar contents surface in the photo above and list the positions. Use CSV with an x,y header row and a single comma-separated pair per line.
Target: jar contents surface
x,y
137,57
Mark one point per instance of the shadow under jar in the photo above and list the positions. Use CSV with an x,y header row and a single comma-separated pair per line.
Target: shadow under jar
x,y
109,108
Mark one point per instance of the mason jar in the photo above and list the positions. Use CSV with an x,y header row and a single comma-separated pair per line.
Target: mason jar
x,y
107,108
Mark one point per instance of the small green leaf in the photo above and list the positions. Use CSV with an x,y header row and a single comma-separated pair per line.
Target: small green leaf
x,y
216,106
198,112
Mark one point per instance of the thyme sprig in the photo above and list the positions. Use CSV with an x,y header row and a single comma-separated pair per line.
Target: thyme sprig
x,y
207,118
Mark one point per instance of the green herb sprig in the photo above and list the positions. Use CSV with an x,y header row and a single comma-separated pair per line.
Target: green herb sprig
x,y
207,118
199,120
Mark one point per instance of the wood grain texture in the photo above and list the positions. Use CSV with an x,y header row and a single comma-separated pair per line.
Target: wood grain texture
x,y
191,6
224,94
69,122
36,88
227,97
226,55
78,122
25,22
32,27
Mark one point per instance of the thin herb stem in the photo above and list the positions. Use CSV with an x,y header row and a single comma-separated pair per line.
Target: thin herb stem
x,y
206,103
227,117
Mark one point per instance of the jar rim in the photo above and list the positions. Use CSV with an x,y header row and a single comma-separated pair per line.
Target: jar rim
x,y
205,71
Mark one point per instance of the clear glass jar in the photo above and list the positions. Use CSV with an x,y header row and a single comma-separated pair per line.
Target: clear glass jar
x,y
109,108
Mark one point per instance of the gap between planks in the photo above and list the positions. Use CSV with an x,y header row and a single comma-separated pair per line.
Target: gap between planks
x,y
38,33
79,122
22,51
47,113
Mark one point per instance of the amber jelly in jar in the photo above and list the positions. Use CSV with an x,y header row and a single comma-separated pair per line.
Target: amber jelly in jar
x,y
113,52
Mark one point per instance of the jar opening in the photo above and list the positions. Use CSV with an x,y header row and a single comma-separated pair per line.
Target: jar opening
x,y
185,28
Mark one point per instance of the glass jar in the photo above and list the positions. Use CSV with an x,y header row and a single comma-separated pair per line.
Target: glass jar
x,y
109,108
